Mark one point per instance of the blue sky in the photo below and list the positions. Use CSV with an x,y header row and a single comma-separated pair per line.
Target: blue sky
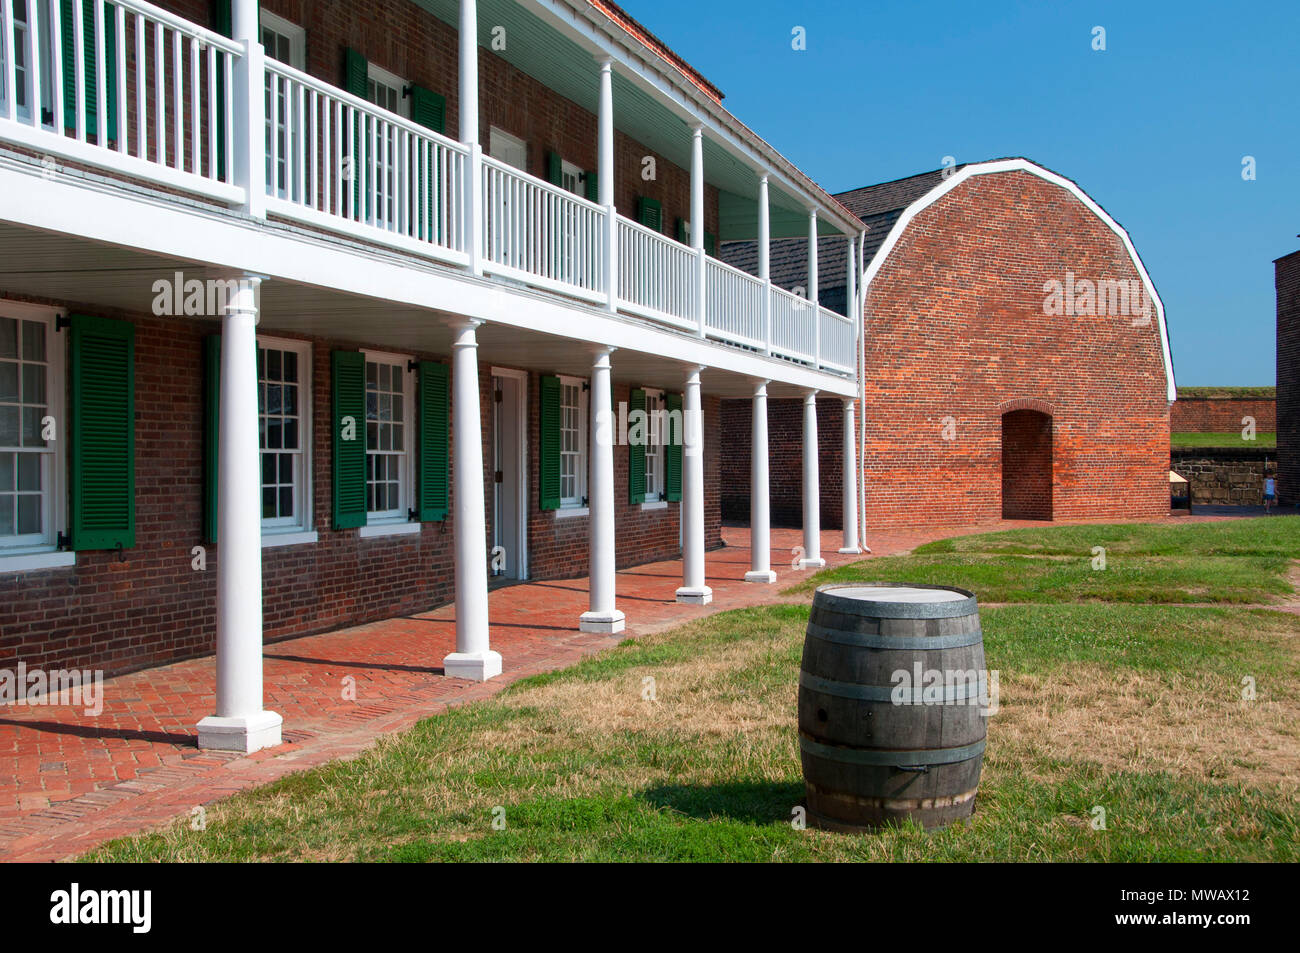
x,y
1154,128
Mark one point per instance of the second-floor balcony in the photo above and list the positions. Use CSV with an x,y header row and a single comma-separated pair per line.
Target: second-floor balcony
x,y
131,89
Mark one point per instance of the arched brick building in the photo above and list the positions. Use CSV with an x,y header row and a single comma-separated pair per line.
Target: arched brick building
x,y
1016,359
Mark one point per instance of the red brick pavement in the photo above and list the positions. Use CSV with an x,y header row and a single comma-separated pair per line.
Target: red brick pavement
x,y
69,781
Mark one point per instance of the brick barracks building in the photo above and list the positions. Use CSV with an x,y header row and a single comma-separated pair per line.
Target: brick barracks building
x,y
1016,362
446,239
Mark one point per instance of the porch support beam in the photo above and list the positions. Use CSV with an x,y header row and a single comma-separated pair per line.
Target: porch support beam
x,y
240,723
601,615
248,148
467,106
697,225
760,522
693,589
605,179
813,295
849,508
765,258
812,544
473,658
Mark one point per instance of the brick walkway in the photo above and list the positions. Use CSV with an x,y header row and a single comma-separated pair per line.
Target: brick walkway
x,y
69,781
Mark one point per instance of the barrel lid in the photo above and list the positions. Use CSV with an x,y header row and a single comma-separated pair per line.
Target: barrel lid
x,y
896,600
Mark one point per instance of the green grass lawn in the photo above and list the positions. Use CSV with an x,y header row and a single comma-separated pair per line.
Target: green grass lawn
x,y
1264,439
1133,708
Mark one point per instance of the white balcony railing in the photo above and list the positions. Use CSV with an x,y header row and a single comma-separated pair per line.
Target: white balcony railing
x,y
734,305
656,276
333,158
144,92
538,232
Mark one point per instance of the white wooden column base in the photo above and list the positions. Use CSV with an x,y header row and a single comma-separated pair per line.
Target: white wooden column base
x,y
850,551
475,666
760,576
695,597
604,623
817,563
246,733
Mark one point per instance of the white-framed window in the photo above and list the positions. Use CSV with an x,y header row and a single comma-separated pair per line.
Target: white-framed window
x,y
573,442
21,46
571,177
654,450
31,397
509,149
384,89
284,417
286,42
390,438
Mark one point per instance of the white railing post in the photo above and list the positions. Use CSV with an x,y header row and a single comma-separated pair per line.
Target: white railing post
x,y
812,287
468,106
697,224
605,180
765,260
247,96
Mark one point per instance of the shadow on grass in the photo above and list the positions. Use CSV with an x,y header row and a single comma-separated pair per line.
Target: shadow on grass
x,y
751,802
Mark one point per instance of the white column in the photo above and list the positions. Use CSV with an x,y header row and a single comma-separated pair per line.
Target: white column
x,y
812,510
697,224
240,722
601,615
813,295
765,258
760,522
605,179
849,508
693,590
248,148
473,658
467,107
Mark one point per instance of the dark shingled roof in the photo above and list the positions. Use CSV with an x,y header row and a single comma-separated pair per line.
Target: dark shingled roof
x,y
878,206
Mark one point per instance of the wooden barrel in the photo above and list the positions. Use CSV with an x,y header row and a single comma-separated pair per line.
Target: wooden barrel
x,y
880,741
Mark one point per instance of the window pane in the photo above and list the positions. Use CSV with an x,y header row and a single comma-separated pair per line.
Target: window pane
x,y
272,365
286,468
34,384
291,434
8,426
8,337
291,366
268,503
7,472
29,472
8,381
289,397
29,514
33,341
6,515
286,501
32,426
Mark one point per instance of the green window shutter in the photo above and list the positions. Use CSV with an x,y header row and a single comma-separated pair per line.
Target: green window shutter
x,y
223,19
69,37
554,168
548,478
711,244
636,451
429,109
223,22
650,213
434,406
673,450
211,432
355,81
682,231
592,181
349,473
102,434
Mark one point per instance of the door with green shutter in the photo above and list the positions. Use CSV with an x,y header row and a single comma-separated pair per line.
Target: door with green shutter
x,y
102,433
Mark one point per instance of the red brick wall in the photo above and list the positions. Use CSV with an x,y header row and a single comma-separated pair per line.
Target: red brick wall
x,y
1287,281
955,328
1026,465
1221,414
785,463
154,608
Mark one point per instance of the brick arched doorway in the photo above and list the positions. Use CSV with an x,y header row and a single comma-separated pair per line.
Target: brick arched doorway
x,y
1026,464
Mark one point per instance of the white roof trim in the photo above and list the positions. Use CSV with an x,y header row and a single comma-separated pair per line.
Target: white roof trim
x,y
1024,165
